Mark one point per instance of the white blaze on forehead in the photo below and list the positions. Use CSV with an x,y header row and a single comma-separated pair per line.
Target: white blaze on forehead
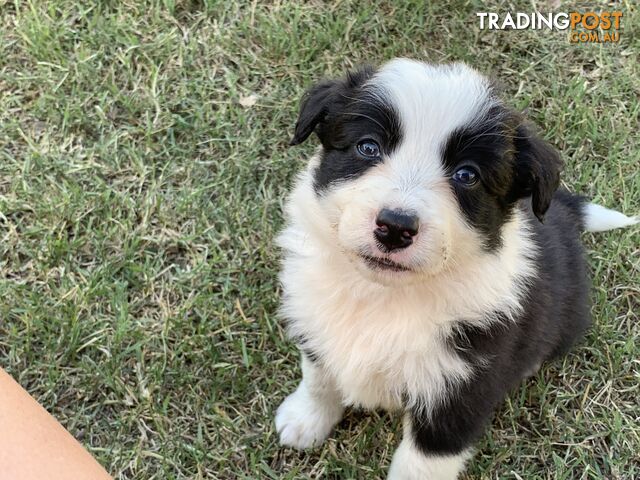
x,y
433,100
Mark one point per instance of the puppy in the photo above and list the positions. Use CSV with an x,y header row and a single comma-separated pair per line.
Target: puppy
x,y
430,264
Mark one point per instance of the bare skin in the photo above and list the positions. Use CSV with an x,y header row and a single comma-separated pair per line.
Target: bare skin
x,y
33,445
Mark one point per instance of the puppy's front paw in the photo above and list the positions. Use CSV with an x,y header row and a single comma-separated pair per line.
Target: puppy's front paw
x,y
410,463
303,422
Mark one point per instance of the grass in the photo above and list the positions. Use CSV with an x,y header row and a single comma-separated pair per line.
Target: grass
x,y
139,199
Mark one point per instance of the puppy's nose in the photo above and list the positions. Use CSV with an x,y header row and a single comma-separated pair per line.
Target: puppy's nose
x,y
395,229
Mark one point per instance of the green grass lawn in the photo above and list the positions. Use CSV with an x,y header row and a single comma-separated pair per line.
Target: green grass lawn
x,y
143,168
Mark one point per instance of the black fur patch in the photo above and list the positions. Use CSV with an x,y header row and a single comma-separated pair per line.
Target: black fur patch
x,y
556,314
344,112
488,148
512,161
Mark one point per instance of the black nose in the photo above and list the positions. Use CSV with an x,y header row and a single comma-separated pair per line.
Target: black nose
x,y
396,229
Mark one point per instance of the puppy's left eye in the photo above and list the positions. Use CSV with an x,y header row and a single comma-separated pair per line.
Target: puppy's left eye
x,y
368,148
466,176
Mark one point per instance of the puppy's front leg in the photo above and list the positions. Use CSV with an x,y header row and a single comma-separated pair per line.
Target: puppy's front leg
x,y
416,459
306,417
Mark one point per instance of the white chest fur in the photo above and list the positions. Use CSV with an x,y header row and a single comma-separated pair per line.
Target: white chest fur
x,y
385,346
380,344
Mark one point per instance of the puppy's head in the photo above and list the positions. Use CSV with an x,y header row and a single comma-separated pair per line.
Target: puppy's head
x,y
421,166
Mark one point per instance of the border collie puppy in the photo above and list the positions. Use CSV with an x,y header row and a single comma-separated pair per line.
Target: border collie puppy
x,y
430,264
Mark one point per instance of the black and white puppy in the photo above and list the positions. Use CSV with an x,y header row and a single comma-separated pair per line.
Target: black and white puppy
x,y
430,264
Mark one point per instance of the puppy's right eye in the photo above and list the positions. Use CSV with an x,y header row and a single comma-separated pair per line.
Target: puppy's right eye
x,y
368,148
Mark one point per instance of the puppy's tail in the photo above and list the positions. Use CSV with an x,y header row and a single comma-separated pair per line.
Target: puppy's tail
x,y
599,219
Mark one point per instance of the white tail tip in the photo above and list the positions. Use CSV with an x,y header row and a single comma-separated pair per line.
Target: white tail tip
x,y
600,219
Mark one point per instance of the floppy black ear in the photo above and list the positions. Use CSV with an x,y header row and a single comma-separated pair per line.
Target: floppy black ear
x,y
324,98
538,167
313,109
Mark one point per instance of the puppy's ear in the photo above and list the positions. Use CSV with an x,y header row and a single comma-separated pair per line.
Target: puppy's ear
x,y
327,97
538,167
313,109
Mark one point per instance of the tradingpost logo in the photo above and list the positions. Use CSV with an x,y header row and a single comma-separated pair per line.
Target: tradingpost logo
x,y
584,27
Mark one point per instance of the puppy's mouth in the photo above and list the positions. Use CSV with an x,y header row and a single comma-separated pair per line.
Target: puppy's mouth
x,y
378,263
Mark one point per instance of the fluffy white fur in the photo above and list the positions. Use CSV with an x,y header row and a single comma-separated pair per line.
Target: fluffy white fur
x,y
409,463
307,416
599,219
344,315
